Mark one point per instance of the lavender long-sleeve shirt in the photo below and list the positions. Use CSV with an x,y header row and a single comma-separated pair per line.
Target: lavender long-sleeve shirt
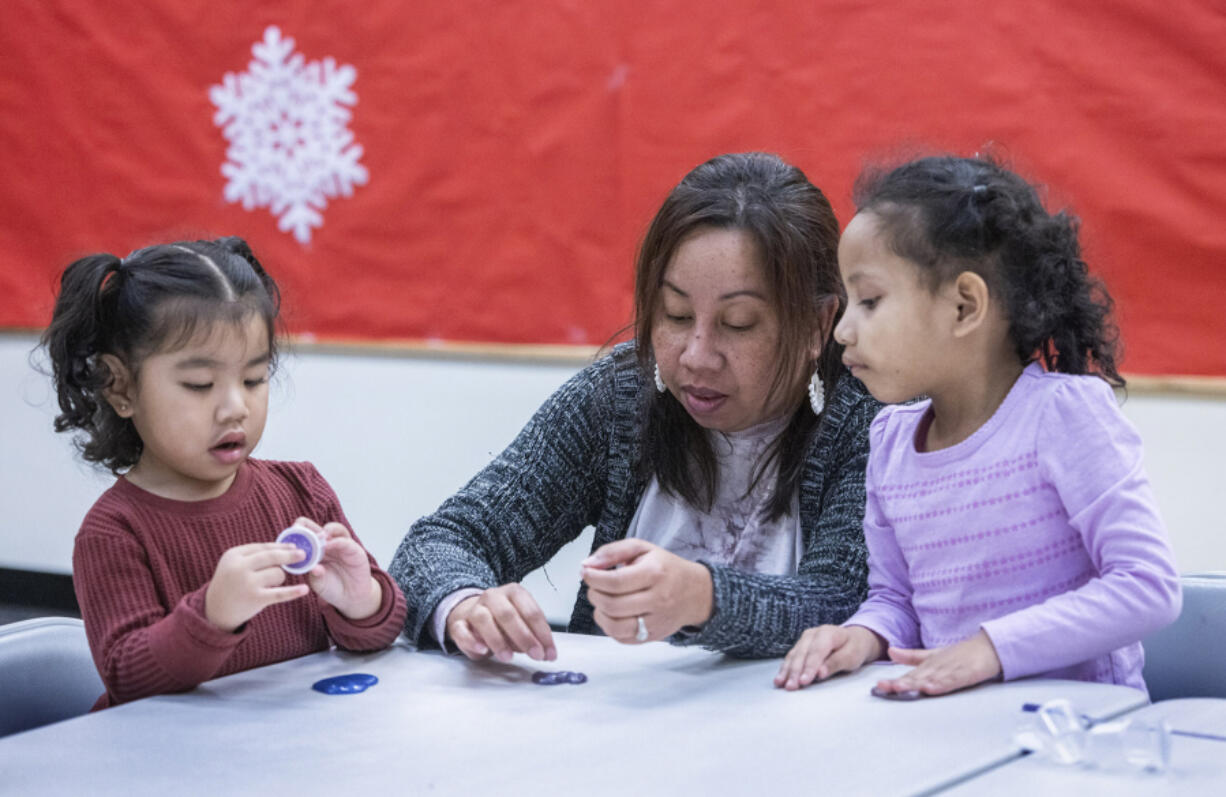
x,y
1040,528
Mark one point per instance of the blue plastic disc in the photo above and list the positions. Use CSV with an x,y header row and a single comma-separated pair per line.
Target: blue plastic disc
x,y
349,684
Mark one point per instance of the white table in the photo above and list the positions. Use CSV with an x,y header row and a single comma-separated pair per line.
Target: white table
x,y
1204,716
652,719
1198,762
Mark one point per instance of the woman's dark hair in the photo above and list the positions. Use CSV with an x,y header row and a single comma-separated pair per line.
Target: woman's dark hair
x,y
155,299
796,235
950,215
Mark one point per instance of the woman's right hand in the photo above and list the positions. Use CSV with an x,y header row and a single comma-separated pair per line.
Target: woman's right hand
x,y
825,650
248,579
501,621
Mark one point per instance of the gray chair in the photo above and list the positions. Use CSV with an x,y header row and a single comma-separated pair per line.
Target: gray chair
x,y
46,673
1188,657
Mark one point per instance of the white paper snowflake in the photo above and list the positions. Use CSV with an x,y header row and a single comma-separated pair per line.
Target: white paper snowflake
x,y
287,124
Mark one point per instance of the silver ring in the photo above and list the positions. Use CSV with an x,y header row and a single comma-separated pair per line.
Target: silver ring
x,y
641,634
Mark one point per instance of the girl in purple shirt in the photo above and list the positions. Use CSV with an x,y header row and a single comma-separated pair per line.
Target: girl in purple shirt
x,y
1010,525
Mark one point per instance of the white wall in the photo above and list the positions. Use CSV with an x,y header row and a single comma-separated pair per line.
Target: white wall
x,y
396,434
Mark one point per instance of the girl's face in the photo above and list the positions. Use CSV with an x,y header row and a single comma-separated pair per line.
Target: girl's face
x,y
716,332
891,331
199,410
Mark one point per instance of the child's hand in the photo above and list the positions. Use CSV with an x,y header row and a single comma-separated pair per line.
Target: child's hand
x,y
246,580
825,650
342,577
946,669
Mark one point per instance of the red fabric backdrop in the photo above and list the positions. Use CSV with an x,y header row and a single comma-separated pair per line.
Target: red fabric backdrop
x,y
516,150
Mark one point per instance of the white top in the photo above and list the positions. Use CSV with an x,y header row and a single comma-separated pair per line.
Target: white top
x,y
734,531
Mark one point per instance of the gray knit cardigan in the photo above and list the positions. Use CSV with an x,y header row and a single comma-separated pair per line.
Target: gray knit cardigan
x,y
574,466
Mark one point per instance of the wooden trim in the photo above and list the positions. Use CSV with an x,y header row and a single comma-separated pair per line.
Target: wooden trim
x,y
1191,386
451,350
1204,386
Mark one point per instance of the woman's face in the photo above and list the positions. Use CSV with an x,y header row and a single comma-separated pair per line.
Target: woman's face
x,y
716,332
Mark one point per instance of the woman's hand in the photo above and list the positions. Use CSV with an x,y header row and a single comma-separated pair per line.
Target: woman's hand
x,y
633,578
825,650
501,621
948,669
247,579
342,577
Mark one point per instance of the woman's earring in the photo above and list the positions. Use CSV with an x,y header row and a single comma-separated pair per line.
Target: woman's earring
x,y
817,393
660,386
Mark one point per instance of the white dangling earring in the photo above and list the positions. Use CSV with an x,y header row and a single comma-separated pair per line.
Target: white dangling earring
x,y
817,393
660,386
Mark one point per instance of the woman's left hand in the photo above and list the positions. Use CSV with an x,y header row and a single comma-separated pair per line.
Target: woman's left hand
x,y
942,670
632,578
342,577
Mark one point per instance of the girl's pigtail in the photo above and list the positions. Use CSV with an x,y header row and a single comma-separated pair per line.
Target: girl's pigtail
x,y
76,336
1064,314
1083,338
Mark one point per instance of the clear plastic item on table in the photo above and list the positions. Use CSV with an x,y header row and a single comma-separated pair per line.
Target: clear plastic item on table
x,y
1057,732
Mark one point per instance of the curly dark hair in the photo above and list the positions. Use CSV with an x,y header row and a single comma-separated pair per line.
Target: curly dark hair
x,y
949,214
154,299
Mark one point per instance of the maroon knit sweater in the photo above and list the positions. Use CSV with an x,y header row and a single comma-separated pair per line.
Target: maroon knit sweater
x,y
142,564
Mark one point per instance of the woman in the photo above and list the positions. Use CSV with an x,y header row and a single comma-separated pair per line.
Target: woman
x,y
727,503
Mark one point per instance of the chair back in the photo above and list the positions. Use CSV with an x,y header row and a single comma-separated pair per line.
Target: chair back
x,y
1188,657
46,673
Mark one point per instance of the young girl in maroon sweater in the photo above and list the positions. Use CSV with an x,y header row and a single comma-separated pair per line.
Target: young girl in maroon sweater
x,y
161,363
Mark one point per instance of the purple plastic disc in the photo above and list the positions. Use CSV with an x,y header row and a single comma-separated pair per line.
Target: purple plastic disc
x,y
308,543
